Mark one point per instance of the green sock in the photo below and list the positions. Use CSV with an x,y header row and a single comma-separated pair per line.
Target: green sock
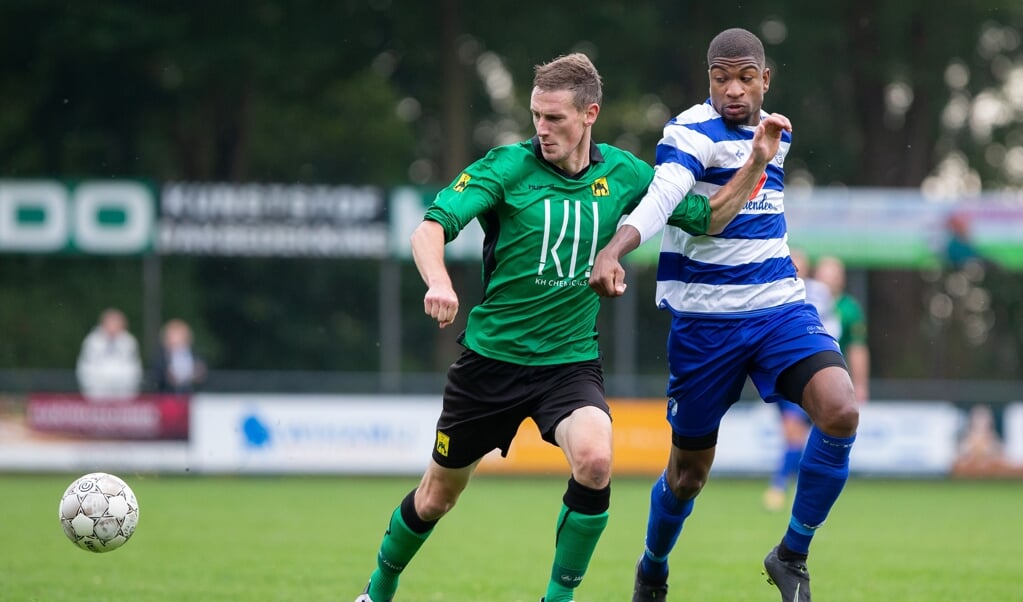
x,y
577,538
400,544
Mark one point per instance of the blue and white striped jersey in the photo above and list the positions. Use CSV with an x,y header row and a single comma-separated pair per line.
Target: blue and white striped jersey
x,y
745,268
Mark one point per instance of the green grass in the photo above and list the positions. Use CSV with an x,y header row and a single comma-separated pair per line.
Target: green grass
x,y
204,539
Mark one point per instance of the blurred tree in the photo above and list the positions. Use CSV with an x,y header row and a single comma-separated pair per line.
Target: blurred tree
x,y
288,90
359,91
48,304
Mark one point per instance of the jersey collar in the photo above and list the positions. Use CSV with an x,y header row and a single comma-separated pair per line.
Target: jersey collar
x,y
595,157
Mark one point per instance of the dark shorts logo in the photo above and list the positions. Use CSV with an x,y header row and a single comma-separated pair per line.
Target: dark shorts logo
x,y
443,442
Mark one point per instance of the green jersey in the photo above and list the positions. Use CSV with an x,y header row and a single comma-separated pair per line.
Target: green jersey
x,y
854,323
542,230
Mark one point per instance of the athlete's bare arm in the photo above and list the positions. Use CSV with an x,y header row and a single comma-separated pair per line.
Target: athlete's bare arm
x,y
608,276
440,302
729,200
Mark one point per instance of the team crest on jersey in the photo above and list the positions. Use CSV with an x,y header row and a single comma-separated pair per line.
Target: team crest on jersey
x,y
442,444
463,181
599,187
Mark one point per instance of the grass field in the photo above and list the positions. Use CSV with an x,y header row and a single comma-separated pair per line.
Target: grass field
x,y
204,539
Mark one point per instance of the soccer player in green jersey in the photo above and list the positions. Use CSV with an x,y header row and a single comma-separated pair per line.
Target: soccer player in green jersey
x,y
853,338
547,206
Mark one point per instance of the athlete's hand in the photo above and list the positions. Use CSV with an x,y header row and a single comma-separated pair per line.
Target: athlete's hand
x,y
607,277
441,304
767,136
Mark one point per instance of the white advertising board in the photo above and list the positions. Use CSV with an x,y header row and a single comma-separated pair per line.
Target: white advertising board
x,y
371,434
393,434
749,440
907,438
1012,425
897,438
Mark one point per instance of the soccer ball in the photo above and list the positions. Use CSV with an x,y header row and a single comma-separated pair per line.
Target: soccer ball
x,y
99,512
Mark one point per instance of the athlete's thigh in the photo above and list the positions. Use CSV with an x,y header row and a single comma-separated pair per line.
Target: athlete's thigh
x,y
485,401
584,429
584,436
564,388
830,398
783,338
707,359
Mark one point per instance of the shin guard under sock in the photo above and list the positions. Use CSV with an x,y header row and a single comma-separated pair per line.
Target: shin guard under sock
x,y
664,524
823,472
581,521
404,536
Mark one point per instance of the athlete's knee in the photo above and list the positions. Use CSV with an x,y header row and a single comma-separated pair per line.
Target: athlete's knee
x,y
585,437
686,485
686,481
831,401
840,419
591,466
433,503
438,493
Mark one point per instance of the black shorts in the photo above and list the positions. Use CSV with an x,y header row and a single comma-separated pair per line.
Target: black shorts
x,y
486,400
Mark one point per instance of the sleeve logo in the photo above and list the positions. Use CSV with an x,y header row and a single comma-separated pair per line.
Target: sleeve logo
x,y
599,187
442,444
463,181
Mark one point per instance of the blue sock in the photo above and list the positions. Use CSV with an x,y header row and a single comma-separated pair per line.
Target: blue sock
x,y
788,468
823,472
667,513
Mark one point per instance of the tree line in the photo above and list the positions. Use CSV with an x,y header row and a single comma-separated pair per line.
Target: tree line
x,y
389,92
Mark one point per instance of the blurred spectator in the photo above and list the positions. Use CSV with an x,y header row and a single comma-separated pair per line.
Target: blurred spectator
x,y
980,447
852,336
109,366
959,249
818,293
795,423
178,368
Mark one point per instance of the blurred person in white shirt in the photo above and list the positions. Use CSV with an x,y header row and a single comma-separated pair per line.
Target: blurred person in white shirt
x,y
109,366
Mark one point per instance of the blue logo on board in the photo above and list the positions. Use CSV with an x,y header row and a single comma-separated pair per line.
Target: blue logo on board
x,y
256,433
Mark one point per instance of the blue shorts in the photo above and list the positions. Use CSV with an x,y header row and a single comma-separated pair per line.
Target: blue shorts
x,y
710,359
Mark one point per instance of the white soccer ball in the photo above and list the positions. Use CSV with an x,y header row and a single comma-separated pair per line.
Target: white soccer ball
x,y
99,512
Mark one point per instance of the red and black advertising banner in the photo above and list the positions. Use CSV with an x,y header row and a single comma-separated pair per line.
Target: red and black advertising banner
x,y
159,417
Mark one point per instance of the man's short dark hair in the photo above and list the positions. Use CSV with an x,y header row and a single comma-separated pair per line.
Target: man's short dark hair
x,y
736,43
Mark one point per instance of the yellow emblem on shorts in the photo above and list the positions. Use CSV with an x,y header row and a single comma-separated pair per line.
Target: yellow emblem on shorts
x,y
463,181
599,187
442,444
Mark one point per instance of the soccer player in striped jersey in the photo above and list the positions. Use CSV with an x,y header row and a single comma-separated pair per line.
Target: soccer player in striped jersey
x,y
546,206
738,310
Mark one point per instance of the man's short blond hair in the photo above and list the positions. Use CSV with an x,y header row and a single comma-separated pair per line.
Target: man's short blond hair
x,y
574,72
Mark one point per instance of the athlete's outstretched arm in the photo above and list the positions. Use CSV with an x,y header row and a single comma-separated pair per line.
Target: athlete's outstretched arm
x,y
607,277
729,200
440,302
